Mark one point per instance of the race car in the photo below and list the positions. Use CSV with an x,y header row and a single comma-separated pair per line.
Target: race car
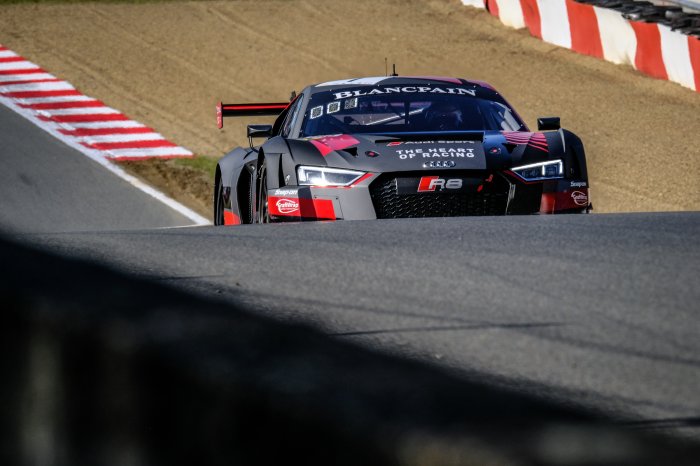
x,y
397,147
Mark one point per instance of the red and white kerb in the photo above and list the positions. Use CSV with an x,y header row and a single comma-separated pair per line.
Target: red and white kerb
x,y
652,48
56,106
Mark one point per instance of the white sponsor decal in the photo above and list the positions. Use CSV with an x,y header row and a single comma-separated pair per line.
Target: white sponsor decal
x,y
316,112
578,184
333,107
286,192
579,198
406,90
431,142
436,152
287,206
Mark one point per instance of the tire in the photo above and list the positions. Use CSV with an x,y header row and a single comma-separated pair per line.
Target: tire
x,y
218,201
262,212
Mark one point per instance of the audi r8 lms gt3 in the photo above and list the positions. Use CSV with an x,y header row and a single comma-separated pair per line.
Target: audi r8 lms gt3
x,y
396,147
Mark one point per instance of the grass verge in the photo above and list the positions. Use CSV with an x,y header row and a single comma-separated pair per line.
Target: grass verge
x,y
189,181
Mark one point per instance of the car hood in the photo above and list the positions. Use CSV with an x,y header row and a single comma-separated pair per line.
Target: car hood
x,y
490,150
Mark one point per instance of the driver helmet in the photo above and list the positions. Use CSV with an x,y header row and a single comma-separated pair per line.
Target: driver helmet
x,y
443,116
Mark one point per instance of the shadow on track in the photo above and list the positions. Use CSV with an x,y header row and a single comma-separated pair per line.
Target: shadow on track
x,y
98,365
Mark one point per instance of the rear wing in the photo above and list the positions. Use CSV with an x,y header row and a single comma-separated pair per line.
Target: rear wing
x,y
239,110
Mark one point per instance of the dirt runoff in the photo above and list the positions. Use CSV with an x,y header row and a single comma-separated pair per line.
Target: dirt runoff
x,y
168,64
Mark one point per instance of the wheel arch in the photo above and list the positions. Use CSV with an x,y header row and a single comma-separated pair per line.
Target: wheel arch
x,y
573,148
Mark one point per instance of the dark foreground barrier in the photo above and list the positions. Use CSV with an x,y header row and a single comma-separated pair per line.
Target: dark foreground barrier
x,y
98,368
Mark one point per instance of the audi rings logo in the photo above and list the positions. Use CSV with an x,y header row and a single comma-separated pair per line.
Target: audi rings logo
x,y
439,164
287,206
579,198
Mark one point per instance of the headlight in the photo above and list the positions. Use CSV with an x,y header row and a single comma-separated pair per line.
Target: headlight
x,y
540,171
322,176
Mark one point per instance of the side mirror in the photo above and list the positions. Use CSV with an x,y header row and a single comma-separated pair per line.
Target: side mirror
x,y
548,123
259,131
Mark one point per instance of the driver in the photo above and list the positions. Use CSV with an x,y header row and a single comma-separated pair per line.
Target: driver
x,y
443,116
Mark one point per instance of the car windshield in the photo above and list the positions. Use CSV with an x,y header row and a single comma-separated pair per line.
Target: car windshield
x,y
388,112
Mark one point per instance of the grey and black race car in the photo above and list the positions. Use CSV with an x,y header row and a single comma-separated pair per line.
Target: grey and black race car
x,y
397,147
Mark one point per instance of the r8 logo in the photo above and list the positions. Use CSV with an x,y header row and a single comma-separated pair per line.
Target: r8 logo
x,y
431,183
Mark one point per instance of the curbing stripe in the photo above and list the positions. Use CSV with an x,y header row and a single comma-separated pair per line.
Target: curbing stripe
x,y
58,108
138,136
46,100
63,105
106,124
139,144
53,101
10,90
81,132
99,157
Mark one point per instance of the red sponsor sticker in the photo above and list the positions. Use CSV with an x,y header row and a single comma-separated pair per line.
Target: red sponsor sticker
x,y
580,198
287,206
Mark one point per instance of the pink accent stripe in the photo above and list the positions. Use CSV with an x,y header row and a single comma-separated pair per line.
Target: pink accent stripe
x,y
23,71
84,118
130,145
60,105
33,94
322,148
105,131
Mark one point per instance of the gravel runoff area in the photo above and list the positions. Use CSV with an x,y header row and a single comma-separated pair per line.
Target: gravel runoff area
x,y
166,64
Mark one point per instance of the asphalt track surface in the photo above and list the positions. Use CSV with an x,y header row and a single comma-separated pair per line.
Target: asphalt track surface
x,y
596,310
47,186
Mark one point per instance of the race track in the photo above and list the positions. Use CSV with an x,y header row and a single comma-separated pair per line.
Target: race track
x,y
47,186
597,310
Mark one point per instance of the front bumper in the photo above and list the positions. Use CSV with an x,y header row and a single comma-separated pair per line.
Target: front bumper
x,y
399,195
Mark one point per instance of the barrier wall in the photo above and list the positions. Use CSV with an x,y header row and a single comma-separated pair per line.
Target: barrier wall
x,y
652,48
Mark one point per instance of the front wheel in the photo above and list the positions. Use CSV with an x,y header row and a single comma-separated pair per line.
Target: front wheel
x,y
263,214
218,202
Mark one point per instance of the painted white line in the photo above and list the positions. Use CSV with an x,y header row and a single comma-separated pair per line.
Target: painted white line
x,y
102,110
50,86
7,54
121,138
149,152
25,77
99,157
104,124
17,65
57,99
